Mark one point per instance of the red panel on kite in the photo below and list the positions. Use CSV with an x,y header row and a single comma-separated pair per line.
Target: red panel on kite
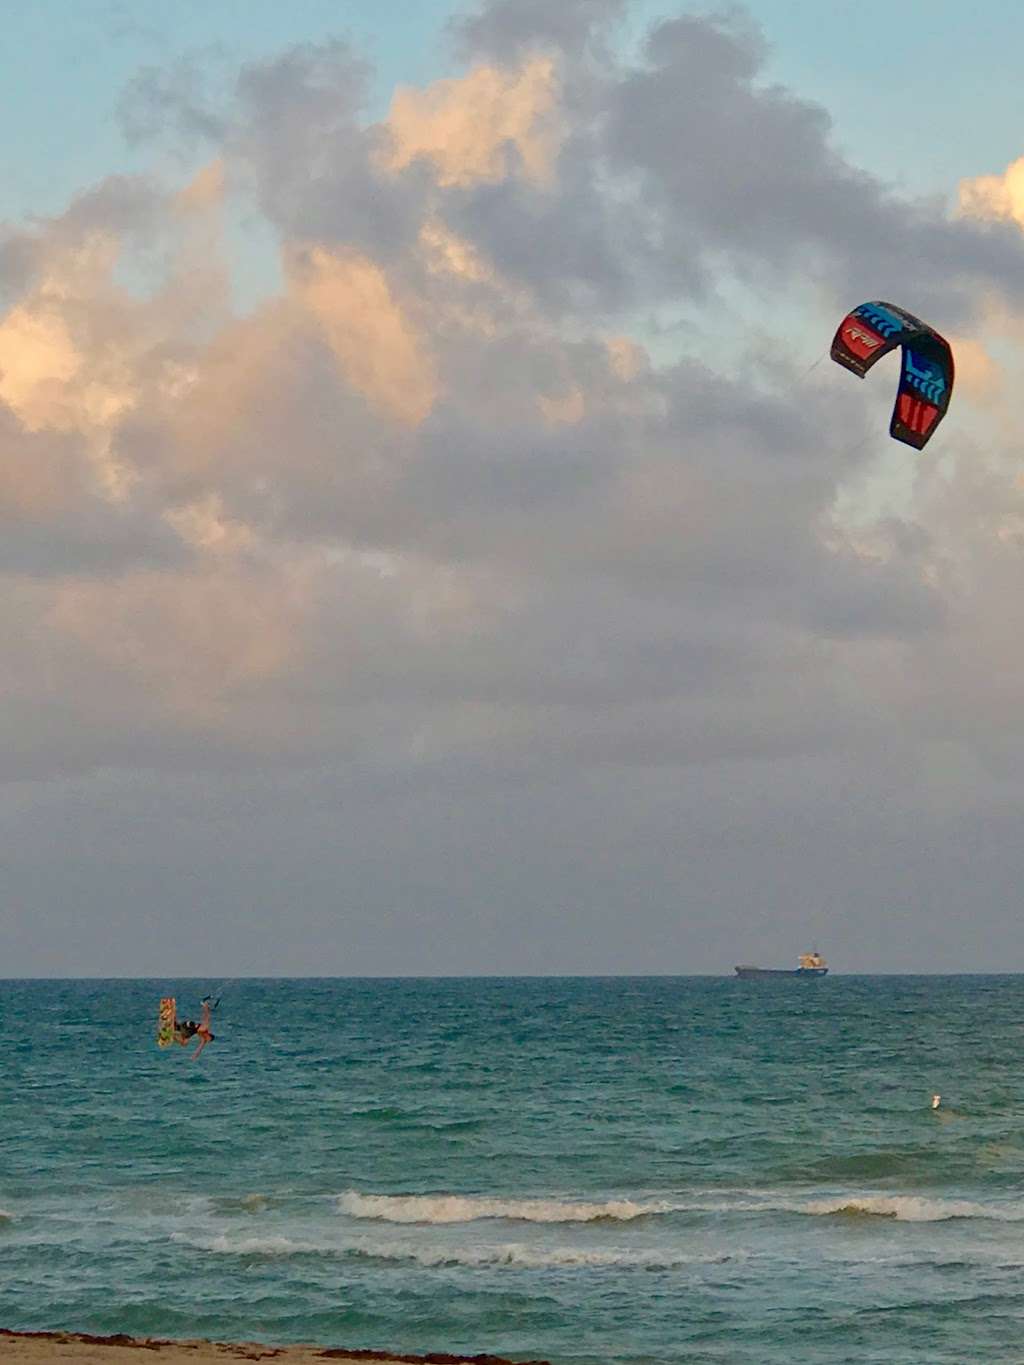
x,y
916,415
860,339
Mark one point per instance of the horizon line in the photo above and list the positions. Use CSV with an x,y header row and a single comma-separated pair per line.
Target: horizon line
x,y
496,976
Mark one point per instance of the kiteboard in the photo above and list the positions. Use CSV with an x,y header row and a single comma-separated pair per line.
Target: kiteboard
x,y
165,1026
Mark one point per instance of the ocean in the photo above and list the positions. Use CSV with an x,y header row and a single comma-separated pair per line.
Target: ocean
x,y
588,1170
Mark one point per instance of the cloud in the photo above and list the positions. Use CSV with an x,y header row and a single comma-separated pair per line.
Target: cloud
x,y
469,127
731,168
507,30
995,196
454,510
60,368
978,373
39,473
175,100
205,191
187,642
458,400
37,362
374,343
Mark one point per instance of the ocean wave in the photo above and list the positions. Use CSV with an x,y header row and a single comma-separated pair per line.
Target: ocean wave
x,y
909,1208
6,1217
455,1208
225,1245
239,1203
519,1255
511,1255
452,1208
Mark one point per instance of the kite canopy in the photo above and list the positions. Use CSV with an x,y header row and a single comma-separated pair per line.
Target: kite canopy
x,y
926,375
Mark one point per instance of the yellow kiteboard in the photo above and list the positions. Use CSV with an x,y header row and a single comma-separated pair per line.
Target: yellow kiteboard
x,y
165,1026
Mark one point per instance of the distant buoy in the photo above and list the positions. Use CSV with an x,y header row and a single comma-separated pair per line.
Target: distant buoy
x,y
936,1101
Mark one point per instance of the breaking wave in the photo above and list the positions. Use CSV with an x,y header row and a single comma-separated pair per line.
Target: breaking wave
x,y
225,1245
520,1255
454,1208
906,1208
911,1208
514,1255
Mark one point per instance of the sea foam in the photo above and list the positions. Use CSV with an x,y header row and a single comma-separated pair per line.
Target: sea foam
x,y
909,1208
519,1255
455,1208
510,1255
226,1245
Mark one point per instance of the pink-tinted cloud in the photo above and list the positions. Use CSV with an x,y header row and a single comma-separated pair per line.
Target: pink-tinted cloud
x,y
470,127
377,346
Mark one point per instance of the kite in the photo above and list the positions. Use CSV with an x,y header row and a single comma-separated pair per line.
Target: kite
x,y
926,375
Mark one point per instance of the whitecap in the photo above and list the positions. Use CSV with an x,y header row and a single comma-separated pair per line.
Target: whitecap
x,y
510,1255
902,1207
518,1255
225,1245
909,1208
454,1208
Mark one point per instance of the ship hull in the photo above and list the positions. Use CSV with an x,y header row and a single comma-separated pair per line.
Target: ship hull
x,y
747,972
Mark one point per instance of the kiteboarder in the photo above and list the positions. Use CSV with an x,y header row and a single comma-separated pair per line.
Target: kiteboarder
x,y
187,1029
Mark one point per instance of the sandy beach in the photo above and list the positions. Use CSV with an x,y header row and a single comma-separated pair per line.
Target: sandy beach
x,y
39,1348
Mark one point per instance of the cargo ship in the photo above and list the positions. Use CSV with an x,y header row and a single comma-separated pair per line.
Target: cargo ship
x,y
810,964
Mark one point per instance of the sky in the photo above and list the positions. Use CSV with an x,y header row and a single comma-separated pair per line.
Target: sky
x,y
434,539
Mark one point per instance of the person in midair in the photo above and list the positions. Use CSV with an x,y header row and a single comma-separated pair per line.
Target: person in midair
x,y
187,1029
